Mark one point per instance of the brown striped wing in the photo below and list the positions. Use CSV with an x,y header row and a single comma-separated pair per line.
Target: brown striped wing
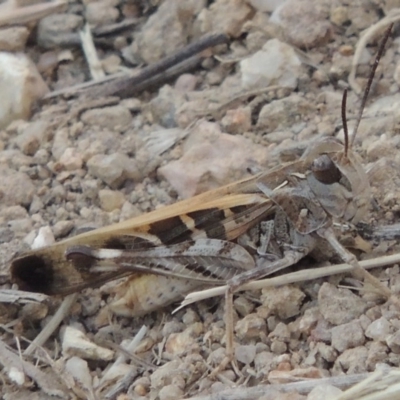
x,y
49,271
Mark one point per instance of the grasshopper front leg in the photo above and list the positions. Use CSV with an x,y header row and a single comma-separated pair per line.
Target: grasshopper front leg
x,y
359,272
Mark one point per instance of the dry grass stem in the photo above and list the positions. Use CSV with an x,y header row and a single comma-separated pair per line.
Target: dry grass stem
x,y
53,324
368,34
89,50
299,276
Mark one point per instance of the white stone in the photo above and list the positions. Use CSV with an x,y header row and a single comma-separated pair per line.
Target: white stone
x,y
79,369
76,343
71,159
265,5
17,376
111,200
275,64
20,86
44,238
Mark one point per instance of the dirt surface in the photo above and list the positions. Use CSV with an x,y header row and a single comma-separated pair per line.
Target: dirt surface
x,y
81,162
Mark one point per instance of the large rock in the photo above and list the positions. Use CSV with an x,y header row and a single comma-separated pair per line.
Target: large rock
x,y
211,159
20,86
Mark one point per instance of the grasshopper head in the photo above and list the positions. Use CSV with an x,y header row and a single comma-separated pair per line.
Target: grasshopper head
x,y
336,177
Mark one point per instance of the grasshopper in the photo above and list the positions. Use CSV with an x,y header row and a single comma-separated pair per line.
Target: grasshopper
x,y
204,240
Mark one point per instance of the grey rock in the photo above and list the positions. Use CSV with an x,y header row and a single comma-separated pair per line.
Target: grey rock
x,y
61,142
163,107
211,159
377,353
71,159
6,235
245,353
32,137
285,301
393,341
14,158
101,13
56,28
280,332
36,205
186,83
13,38
62,228
129,210
164,375
352,361
170,392
237,121
243,305
379,329
15,188
347,335
339,306
30,140
113,169
13,212
117,118
284,113
278,347
304,22
227,16
20,227
167,30
251,326
264,362
326,392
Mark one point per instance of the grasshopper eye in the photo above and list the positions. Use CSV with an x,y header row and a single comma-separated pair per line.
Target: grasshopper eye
x,y
325,170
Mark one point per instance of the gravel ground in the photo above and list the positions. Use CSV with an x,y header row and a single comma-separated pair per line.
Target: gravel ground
x,y
88,159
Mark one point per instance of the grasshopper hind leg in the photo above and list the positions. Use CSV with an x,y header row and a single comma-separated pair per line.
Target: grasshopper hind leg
x,y
280,246
291,256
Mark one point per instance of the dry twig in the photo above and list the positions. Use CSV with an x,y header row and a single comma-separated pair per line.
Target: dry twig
x,y
126,84
304,387
300,276
19,296
53,324
382,384
12,15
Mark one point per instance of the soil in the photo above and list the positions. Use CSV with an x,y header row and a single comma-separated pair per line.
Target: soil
x,y
81,163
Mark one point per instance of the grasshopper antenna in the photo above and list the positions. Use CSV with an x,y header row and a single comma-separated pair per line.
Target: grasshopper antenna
x,y
367,88
344,122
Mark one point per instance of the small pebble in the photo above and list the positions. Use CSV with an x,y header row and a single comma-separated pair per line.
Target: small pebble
x,y
251,326
245,353
379,329
76,343
347,335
